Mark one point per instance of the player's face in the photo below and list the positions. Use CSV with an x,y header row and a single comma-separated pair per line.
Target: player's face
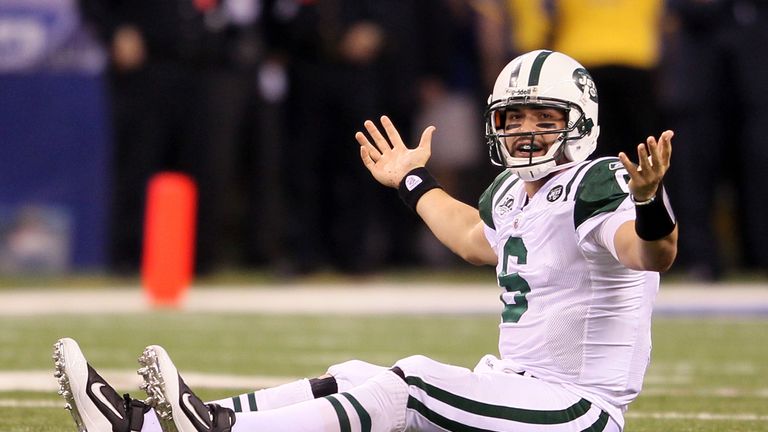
x,y
532,119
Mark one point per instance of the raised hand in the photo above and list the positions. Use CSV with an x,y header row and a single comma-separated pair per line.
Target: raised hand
x,y
646,177
387,158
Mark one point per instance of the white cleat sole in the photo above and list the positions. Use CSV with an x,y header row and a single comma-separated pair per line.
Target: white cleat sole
x,y
65,389
161,382
71,372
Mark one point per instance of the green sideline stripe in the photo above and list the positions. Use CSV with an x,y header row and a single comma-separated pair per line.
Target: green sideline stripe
x,y
252,402
503,412
237,405
344,425
538,62
365,419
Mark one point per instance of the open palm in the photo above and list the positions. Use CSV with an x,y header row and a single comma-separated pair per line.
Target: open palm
x,y
387,158
654,159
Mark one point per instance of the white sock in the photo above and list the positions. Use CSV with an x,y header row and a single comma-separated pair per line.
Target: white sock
x,y
380,402
348,375
266,399
270,398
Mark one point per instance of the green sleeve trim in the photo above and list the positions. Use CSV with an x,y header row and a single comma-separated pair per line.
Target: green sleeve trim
x,y
485,204
598,191
575,176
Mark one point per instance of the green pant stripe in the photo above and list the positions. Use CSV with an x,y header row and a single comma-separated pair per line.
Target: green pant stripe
x,y
503,412
344,425
365,419
599,424
439,420
252,402
237,405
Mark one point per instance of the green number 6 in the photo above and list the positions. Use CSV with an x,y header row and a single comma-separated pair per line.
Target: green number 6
x,y
514,283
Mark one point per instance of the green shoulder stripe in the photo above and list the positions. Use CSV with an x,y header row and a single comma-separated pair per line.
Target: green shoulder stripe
x,y
599,191
485,204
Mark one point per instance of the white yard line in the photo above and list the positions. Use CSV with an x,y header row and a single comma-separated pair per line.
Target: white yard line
x,y
30,403
697,416
43,380
671,415
127,380
360,298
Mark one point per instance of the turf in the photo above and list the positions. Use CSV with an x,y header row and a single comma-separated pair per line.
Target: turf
x,y
706,374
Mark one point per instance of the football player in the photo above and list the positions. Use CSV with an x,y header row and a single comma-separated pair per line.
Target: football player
x,y
578,245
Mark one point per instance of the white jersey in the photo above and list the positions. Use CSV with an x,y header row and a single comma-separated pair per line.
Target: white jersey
x,y
572,313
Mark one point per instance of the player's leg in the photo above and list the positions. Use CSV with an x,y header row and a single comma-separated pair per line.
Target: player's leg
x,y
377,405
339,378
444,397
91,411
93,403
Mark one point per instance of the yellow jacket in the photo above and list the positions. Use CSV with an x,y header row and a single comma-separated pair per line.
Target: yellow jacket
x,y
594,32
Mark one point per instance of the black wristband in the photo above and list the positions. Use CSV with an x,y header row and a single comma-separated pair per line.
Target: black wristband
x,y
655,220
414,185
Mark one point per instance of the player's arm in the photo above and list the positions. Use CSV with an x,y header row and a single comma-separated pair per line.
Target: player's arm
x,y
650,241
455,224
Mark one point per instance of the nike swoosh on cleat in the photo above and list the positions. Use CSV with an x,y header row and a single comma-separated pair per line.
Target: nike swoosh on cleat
x,y
185,400
96,389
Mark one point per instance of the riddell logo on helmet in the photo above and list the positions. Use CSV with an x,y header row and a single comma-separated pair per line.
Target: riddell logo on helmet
x,y
528,91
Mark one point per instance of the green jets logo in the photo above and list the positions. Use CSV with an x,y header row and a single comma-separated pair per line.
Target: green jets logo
x,y
555,193
584,82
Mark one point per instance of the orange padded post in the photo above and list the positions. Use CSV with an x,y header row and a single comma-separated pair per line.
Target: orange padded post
x,y
169,238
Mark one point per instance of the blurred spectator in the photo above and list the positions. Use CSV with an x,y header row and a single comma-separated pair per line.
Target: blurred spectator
x,y
618,41
448,92
450,95
351,60
184,82
716,95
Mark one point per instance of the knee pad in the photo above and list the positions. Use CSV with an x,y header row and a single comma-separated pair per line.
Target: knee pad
x,y
352,373
416,365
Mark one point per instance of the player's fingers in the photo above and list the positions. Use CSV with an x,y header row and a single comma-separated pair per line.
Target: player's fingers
x,y
644,165
653,149
392,133
426,139
365,144
378,139
666,146
628,165
365,155
361,139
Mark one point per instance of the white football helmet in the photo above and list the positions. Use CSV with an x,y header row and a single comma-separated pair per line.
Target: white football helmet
x,y
544,79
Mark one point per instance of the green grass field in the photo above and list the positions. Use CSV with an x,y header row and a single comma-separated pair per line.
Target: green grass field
x,y
706,374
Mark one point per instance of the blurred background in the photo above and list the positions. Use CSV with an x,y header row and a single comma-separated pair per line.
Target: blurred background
x,y
258,102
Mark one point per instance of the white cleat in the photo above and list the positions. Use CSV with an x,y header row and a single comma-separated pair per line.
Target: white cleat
x,y
177,407
94,404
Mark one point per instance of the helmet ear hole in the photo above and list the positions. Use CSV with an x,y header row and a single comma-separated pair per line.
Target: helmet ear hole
x,y
580,149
